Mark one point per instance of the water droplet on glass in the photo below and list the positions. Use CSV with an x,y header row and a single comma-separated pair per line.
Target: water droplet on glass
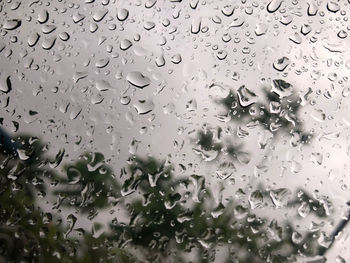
x,y
176,59
47,29
312,9
160,61
150,3
99,15
12,24
125,44
281,64
282,88
333,6
43,16
196,25
280,197
342,34
138,79
261,29
102,85
122,14
101,63
96,99
296,38
228,10
246,97
79,75
305,29
256,200
77,17
237,22
273,6
5,84
318,115
49,42
148,25
297,238
207,155
33,39
125,100
144,106
64,36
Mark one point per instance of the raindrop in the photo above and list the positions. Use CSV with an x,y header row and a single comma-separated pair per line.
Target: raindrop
x,y
261,29
221,55
196,26
280,197
228,10
286,20
176,59
297,238
43,16
312,9
25,154
99,15
342,34
237,22
58,159
125,44
339,259
282,88
77,17
191,105
281,64
79,75
246,97
5,85
273,6
33,39
97,99
207,155
144,106
71,220
12,24
47,29
122,14
305,29
150,3
296,38
101,63
256,200
64,36
102,85
333,6
194,4
125,100
49,42
318,115
148,25
138,79
160,61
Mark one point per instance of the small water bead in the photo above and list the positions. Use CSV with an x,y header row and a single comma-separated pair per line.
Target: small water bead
x,y
342,34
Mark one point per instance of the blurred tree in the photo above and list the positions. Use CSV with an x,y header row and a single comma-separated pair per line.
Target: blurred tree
x,y
163,217
171,217
277,110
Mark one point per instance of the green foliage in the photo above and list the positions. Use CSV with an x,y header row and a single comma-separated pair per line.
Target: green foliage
x,y
167,218
273,112
88,184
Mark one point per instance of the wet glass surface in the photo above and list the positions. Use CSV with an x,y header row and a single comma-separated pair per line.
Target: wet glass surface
x,y
174,131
